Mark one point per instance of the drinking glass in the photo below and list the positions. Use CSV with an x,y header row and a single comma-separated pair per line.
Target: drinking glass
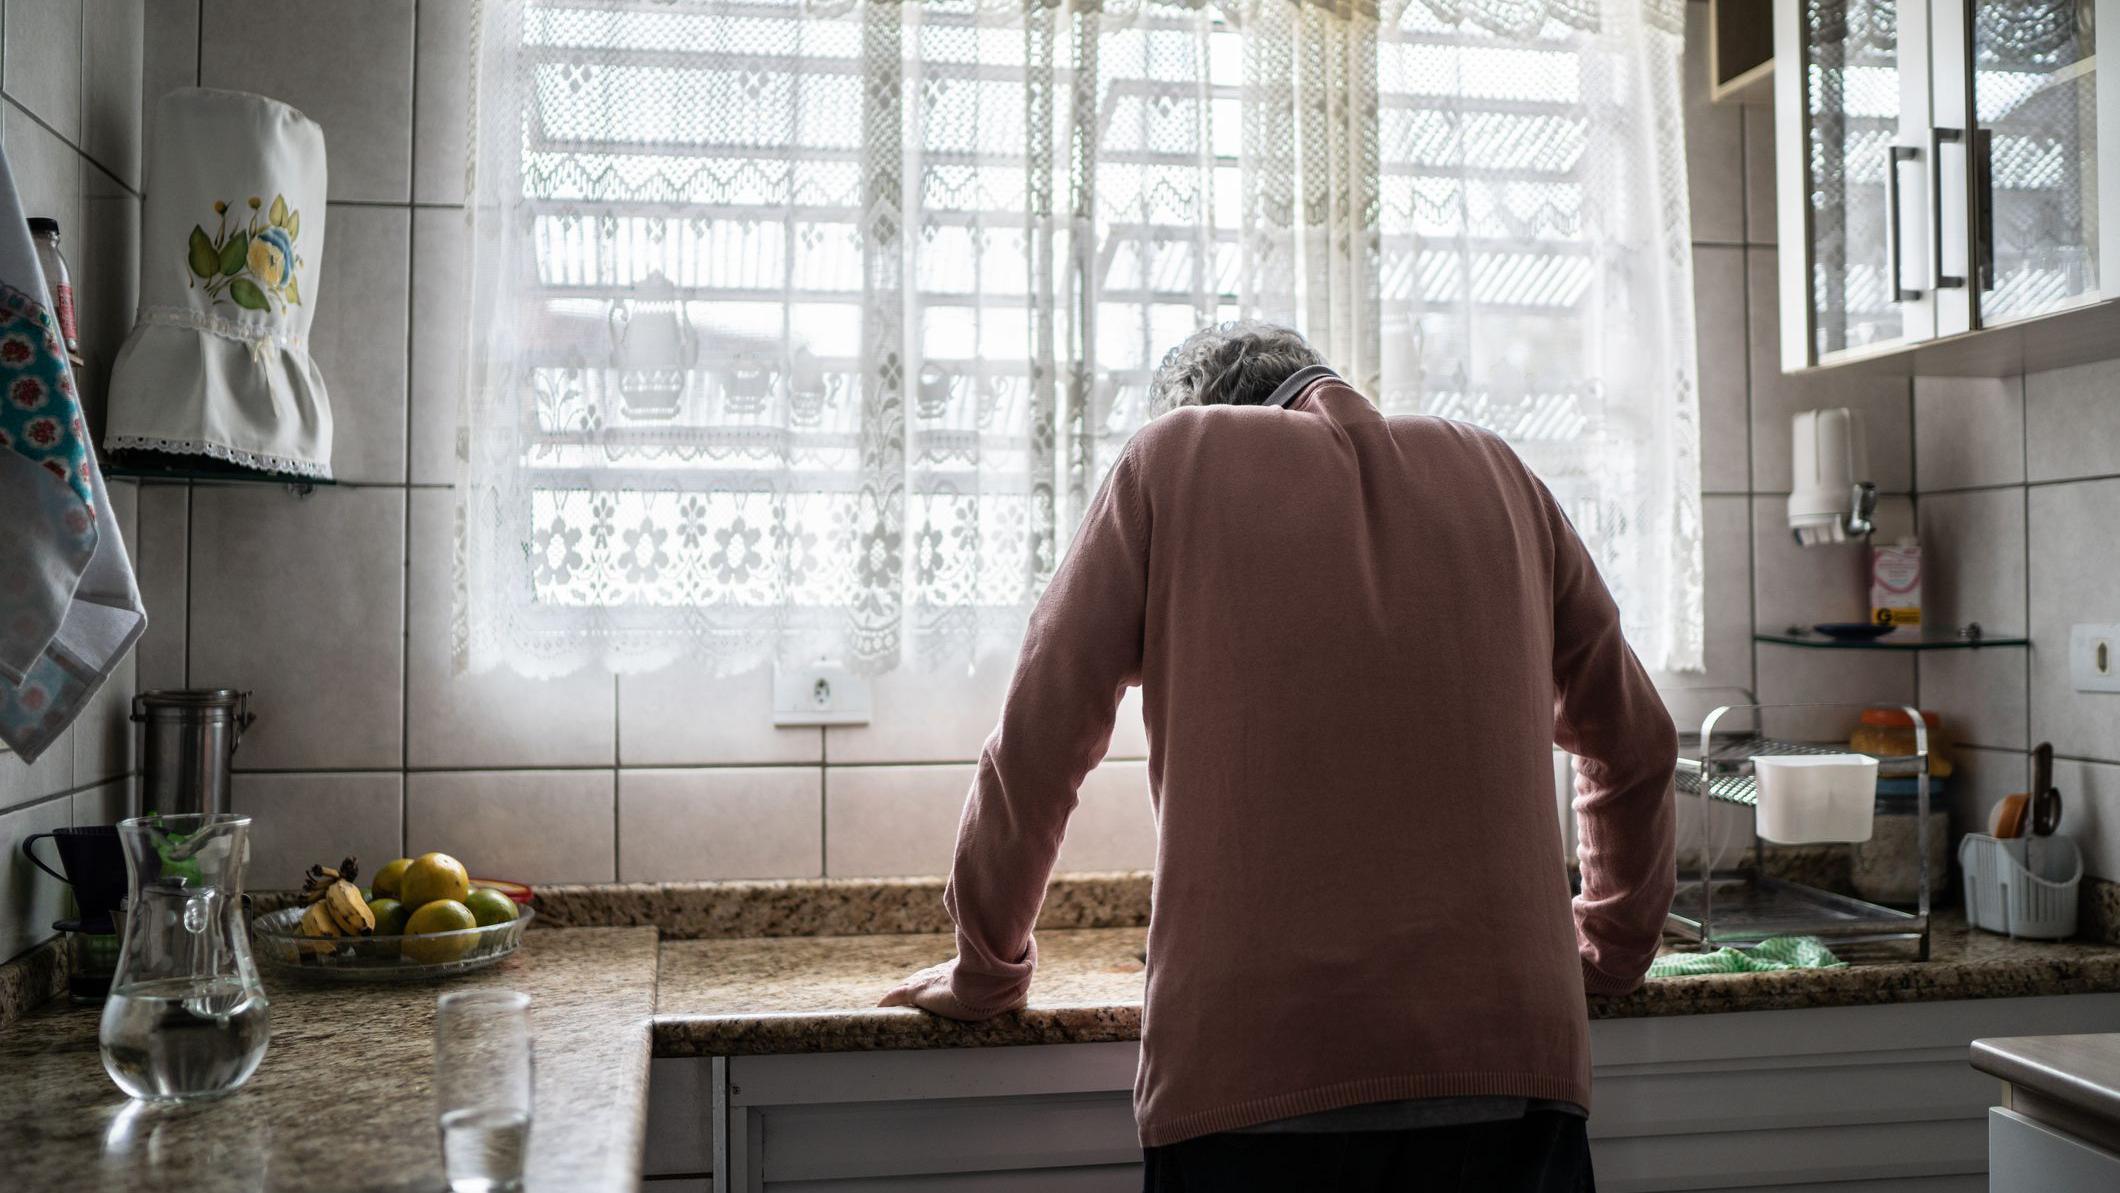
x,y
482,1088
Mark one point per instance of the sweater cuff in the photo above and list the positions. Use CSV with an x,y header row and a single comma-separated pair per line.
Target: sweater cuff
x,y
1595,982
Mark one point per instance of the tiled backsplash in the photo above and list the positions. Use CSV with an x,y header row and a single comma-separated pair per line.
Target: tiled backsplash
x,y
70,118
334,607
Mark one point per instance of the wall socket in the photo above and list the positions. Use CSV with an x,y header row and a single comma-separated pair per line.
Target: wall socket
x,y
2094,657
819,693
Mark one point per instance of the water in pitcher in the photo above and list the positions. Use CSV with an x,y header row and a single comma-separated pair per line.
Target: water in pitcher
x,y
178,1039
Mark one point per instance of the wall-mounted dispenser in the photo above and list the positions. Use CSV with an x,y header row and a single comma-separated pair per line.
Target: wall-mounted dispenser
x,y
1830,502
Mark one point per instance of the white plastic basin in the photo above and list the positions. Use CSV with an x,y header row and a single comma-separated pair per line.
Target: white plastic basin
x,y
1807,799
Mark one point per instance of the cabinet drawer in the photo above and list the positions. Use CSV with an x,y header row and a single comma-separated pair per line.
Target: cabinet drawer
x,y
2029,1157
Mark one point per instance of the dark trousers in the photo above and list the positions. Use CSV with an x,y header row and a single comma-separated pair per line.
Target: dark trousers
x,y
1545,1151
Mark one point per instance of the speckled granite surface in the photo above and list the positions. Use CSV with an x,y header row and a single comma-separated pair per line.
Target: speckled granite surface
x,y
344,1099
31,980
739,997
826,906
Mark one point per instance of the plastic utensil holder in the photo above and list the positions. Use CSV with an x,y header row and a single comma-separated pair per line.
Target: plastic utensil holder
x,y
2003,894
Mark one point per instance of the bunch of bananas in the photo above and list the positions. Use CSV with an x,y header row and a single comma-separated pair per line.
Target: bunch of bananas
x,y
335,906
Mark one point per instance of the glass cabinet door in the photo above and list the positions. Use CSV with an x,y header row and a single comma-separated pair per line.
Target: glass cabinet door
x,y
2034,155
1865,114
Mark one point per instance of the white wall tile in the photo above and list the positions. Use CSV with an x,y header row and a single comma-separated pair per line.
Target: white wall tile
x,y
1714,145
1727,566
302,601
360,335
1114,825
2075,577
1979,780
107,804
43,62
346,66
47,170
1980,694
892,820
53,772
171,58
102,732
1803,675
681,716
2072,421
301,820
495,718
30,899
442,112
103,253
1760,206
1883,402
720,823
1725,399
441,289
1803,586
2090,812
1972,558
927,716
113,62
526,826
1968,431
160,565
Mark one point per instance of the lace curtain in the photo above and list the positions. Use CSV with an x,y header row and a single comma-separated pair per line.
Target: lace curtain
x,y
806,329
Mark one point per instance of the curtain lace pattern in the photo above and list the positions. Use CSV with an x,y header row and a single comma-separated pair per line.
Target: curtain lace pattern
x,y
807,328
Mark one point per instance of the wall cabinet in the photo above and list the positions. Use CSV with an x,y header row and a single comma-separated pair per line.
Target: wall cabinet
x,y
1948,183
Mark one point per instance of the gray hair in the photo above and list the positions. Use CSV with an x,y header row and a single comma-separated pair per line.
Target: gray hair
x,y
1237,364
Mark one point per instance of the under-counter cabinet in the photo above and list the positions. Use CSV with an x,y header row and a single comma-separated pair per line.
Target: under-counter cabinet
x,y
1948,183
2058,1130
1876,1099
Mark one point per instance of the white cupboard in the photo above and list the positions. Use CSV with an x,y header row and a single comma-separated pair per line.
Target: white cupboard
x,y
1948,172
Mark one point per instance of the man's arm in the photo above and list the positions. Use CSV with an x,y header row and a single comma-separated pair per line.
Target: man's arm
x,y
1080,653
1607,714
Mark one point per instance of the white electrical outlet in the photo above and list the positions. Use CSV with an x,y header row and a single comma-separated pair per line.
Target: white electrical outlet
x,y
2094,657
819,693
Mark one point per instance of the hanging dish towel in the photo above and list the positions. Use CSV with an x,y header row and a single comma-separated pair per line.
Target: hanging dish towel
x,y
217,373
69,608
1775,952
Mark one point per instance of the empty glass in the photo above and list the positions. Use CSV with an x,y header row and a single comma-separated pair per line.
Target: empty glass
x,y
482,1088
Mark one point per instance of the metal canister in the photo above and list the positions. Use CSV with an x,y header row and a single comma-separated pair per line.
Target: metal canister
x,y
187,742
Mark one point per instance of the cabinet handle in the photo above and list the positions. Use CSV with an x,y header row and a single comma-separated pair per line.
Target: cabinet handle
x,y
1982,163
1900,153
1938,138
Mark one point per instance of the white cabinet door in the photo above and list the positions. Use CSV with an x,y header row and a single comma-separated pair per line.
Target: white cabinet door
x,y
2029,1157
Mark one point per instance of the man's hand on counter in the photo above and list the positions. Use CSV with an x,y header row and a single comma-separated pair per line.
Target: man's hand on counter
x,y
930,991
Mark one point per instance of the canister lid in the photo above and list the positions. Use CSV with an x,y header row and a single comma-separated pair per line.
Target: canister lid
x,y
193,702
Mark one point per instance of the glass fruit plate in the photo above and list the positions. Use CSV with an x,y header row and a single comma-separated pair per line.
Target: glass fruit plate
x,y
282,948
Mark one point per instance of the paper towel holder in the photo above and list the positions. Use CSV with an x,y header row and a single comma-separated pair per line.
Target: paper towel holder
x,y
1828,500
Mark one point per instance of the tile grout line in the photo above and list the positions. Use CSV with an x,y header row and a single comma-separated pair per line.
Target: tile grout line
x,y
412,232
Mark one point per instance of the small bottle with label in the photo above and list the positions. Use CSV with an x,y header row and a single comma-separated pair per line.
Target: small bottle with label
x,y
44,233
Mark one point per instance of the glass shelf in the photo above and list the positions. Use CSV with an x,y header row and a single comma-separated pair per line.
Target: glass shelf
x,y
1940,638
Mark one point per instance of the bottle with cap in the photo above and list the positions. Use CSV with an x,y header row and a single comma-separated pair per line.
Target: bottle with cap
x,y
44,233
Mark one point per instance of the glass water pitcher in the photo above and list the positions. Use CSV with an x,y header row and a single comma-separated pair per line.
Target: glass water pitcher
x,y
186,1019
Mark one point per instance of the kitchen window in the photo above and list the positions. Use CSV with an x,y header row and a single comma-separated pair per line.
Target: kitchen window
x,y
807,329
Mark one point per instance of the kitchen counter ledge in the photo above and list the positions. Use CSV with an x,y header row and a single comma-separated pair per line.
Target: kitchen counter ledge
x,y
344,1099
817,994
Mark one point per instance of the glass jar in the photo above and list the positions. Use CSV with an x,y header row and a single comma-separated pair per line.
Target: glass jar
x,y
58,281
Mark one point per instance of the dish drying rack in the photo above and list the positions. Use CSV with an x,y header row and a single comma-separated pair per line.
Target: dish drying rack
x,y
1742,905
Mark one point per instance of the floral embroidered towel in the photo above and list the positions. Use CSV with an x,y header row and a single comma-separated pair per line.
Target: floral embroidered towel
x,y
69,608
217,373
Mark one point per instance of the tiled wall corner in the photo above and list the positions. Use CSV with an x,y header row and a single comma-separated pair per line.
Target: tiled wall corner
x,y
70,78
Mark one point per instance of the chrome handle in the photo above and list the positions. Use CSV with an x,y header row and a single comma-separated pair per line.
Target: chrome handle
x,y
1938,138
1981,161
1900,153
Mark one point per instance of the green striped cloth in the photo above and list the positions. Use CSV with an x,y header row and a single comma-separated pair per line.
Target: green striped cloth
x,y
1775,952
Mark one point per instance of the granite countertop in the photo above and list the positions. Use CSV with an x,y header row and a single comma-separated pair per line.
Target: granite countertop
x,y
2080,1072
343,1100
734,997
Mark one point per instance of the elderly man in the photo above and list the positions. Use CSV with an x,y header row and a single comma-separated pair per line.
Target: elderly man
x,y
1357,637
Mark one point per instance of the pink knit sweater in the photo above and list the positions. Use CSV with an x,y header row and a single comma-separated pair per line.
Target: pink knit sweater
x,y
1356,638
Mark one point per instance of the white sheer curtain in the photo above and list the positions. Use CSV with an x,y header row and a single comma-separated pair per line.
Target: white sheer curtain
x,y
806,329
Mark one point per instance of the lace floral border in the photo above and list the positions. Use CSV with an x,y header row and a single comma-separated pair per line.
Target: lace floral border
x,y
260,461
